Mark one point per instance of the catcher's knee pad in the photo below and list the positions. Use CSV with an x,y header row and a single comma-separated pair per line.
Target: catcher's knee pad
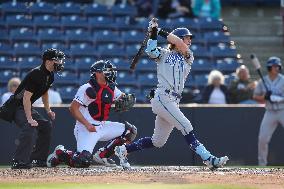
x,y
82,160
130,132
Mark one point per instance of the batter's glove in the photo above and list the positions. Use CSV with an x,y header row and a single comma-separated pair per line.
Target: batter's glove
x,y
152,24
126,102
267,95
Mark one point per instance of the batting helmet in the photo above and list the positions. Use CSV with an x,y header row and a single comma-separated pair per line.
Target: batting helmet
x,y
273,61
181,32
105,67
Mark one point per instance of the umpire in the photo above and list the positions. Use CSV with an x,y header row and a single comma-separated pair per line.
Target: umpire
x,y
19,109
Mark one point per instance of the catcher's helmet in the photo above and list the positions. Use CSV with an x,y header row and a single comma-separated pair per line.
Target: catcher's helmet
x,y
181,32
57,55
273,61
105,67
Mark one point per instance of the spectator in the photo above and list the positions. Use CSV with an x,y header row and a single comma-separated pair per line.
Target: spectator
x,y
53,98
241,89
12,87
215,92
207,8
174,8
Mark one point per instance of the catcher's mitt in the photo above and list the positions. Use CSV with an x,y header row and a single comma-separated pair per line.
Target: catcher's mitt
x,y
126,102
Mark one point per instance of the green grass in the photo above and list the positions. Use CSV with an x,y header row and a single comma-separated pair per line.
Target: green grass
x,y
116,186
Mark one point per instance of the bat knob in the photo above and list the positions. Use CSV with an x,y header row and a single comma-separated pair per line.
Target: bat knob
x,y
252,56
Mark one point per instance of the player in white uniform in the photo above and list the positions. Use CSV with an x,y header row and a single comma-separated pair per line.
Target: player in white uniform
x,y
90,108
274,100
173,67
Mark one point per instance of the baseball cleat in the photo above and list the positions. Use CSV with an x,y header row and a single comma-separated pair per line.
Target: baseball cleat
x,y
103,161
214,163
52,159
121,153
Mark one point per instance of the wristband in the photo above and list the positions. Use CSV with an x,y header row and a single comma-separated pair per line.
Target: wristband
x,y
153,34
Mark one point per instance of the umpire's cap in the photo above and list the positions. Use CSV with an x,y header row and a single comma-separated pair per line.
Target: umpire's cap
x,y
53,54
273,61
182,32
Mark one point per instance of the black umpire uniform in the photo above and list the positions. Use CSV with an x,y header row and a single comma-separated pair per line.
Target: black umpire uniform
x,y
37,82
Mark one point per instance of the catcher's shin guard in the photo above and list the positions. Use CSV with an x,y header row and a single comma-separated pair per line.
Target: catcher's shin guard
x,y
81,160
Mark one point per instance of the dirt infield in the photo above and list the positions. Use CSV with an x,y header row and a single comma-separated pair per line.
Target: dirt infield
x,y
263,178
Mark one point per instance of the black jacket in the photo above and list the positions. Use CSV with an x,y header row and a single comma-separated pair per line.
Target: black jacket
x,y
208,90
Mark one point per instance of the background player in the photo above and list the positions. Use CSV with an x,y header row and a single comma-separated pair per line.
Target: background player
x,y
274,104
173,67
90,108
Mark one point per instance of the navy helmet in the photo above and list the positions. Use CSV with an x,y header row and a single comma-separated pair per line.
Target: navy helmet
x,y
181,32
105,67
57,55
273,61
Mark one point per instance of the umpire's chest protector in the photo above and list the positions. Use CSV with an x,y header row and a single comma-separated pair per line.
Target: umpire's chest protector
x,y
104,96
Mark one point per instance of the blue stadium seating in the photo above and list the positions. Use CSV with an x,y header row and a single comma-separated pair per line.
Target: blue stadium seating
x,y
56,45
192,24
26,49
101,22
19,21
66,78
68,8
126,79
202,65
84,78
146,65
46,21
200,80
13,8
120,64
42,8
70,66
200,52
96,10
78,35
123,10
147,80
223,52
22,34
82,49
216,37
111,51
67,93
106,36
50,35
5,49
131,50
8,64
28,63
227,65
132,36
190,82
74,21
210,24
84,63
6,75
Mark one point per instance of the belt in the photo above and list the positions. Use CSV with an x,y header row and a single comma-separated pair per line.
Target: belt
x,y
173,93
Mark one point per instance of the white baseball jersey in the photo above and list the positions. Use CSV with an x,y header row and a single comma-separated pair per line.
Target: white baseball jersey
x,y
84,100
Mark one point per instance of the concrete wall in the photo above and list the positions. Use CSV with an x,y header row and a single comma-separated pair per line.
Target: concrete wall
x,y
224,130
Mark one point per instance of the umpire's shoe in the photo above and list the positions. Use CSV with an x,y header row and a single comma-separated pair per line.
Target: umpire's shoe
x,y
214,163
103,161
20,165
121,153
38,163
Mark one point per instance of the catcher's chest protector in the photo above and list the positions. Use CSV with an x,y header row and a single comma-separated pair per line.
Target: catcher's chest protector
x,y
100,107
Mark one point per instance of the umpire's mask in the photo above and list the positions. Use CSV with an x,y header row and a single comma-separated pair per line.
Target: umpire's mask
x,y
57,56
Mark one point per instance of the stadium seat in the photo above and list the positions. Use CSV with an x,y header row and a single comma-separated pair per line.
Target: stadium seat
x,y
132,36
82,49
190,82
28,63
223,52
131,50
192,24
66,78
111,50
19,21
126,79
123,10
5,49
146,65
70,66
50,35
8,64
120,64
200,52
56,45
216,37
79,35
101,22
22,34
68,8
202,65
200,80
210,24
227,65
147,80
46,21
5,76
26,49
84,64
41,8
67,93
106,36
4,37
13,7
84,78
96,10
74,21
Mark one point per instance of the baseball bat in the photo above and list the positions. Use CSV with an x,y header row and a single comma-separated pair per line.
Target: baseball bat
x,y
257,66
137,56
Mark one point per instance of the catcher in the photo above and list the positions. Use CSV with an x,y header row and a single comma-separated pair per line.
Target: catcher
x,y
90,108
